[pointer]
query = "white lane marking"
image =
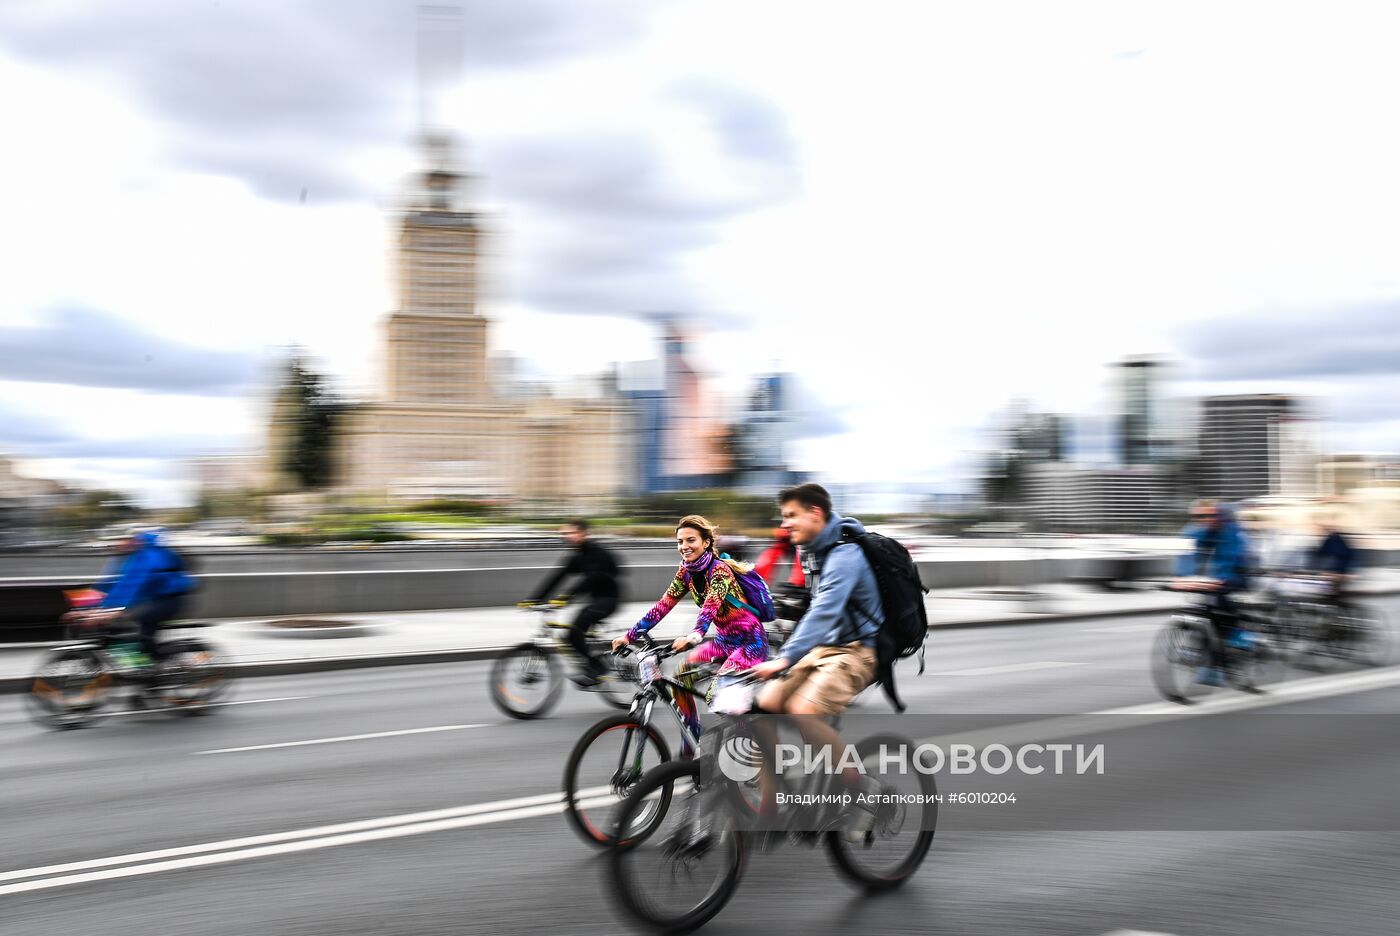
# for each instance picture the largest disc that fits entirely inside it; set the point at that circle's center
(1008, 668)
(405, 819)
(1115, 720)
(358, 737)
(156, 711)
(287, 848)
(290, 698)
(1297, 690)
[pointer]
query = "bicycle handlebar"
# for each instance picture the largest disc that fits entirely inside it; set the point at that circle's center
(645, 644)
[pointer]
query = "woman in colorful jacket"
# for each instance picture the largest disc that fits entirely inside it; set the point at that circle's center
(740, 640)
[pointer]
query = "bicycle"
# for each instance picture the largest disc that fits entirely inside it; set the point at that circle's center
(1315, 630)
(639, 739)
(526, 679)
(650, 865)
(76, 681)
(1188, 646)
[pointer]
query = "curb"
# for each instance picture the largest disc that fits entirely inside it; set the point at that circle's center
(16, 684)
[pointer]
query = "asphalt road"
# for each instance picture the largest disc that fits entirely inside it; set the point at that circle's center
(84, 811)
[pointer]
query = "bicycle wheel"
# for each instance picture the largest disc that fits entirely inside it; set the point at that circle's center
(1178, 654)
(71, 686)
(1363, 637)
(192, 676)
(1286, 626)
(902, 833)
(525, 681)
(619, 683)
(683, 873)
(1260, 666)
(607, 762)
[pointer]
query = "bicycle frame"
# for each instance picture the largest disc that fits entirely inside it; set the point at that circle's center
(664, 689)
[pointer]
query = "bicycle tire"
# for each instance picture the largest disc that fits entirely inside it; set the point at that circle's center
(1169, 665)
(1371, 637)
(60, 703)
(633, 853)
(620, 687)
(194, 687)
(590, 831)
(522, 655)
(843, 853)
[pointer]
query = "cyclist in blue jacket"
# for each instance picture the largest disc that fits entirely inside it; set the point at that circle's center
(1221, 555)
(149, 586)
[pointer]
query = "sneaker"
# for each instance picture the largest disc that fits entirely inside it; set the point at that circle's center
(584, 680)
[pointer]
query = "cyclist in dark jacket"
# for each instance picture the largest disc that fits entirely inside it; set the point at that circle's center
(599, 571)
(1334, 558)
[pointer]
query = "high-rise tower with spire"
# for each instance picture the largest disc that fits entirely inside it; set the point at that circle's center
(436, 338)
(439, 428)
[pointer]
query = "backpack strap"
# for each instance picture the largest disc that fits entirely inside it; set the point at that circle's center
(729, 598)
(725, 557)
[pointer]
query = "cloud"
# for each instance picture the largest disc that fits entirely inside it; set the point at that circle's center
(87, 348)
(1343, 342)
(275, 92)
(292, 97)
(749, 127)
(29, 437)
(608, 217)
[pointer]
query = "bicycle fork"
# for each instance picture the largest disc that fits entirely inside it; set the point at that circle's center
(627, 774)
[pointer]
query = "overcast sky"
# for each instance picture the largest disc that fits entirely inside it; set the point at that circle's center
(922, 210)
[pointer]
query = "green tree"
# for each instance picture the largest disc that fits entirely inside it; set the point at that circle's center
(307, 418)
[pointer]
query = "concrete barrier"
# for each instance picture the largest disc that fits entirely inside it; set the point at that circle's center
(29, 610)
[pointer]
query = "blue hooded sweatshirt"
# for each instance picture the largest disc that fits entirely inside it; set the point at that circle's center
(149, 572)
(1220, 552)
(845, 598)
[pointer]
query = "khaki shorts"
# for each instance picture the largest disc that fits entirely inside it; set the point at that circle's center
(829, 677)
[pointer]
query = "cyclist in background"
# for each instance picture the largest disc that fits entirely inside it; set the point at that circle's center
(790, 598)
(1333, 558)
(599, 571)
(1221, 555)
(781, 551)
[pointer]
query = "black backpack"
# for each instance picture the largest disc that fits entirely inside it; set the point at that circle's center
(902, 593)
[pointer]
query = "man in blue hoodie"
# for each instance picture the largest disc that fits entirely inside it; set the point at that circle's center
(149, 587)
(1221, 555)
(830, 657)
